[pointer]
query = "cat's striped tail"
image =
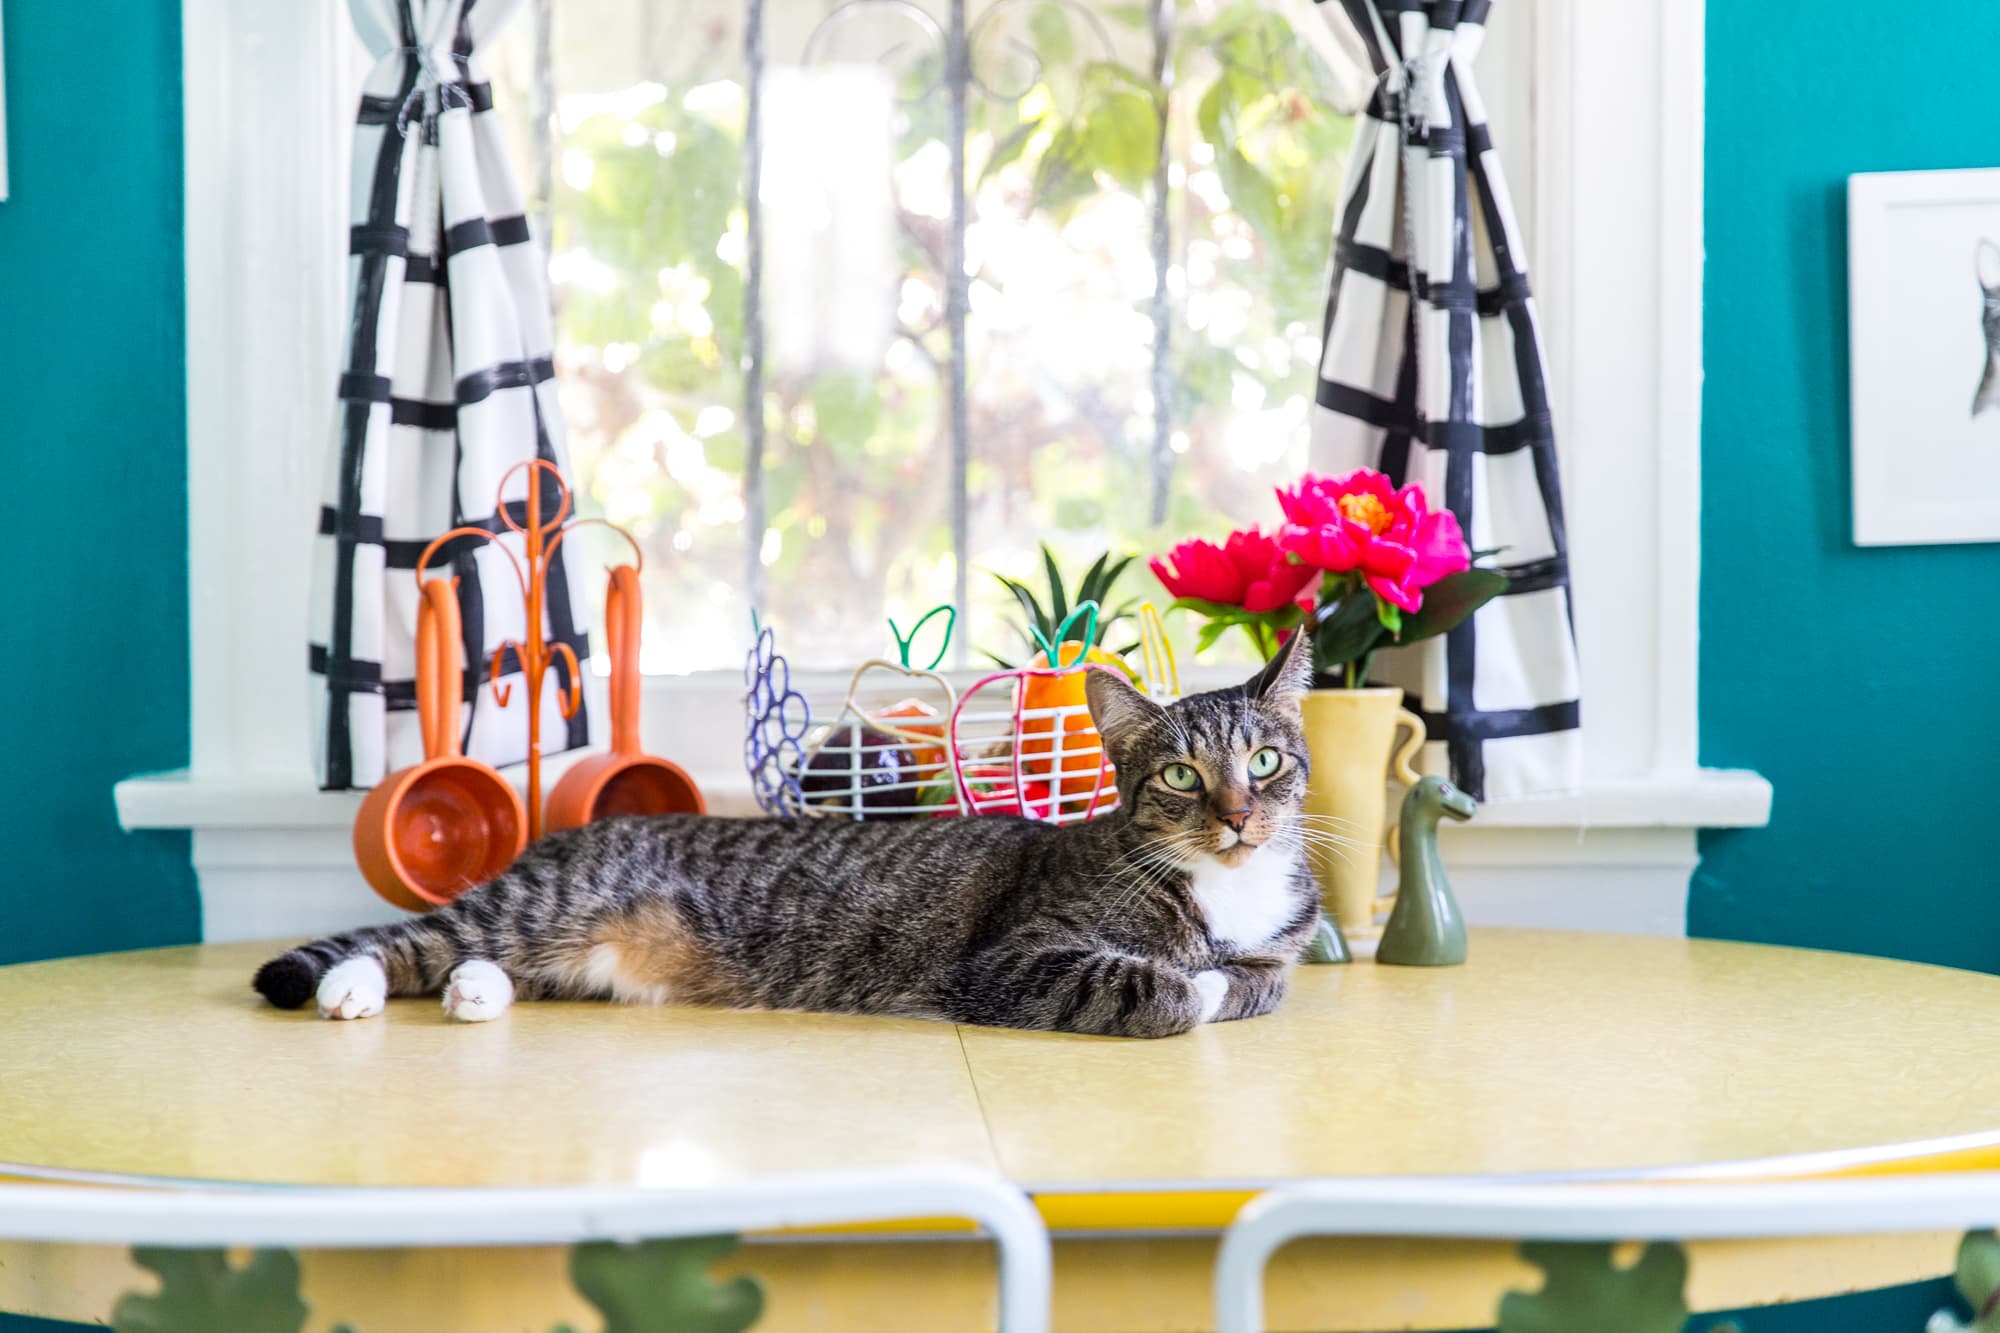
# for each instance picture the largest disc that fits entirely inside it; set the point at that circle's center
(416, 956)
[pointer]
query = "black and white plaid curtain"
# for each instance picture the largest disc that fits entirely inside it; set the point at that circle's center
(448, 383)
(1448, 391)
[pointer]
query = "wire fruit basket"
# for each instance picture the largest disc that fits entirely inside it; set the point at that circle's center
(903, 742)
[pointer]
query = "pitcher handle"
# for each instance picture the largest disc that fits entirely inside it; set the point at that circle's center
(1403, 764)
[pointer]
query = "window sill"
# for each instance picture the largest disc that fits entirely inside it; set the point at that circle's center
(274, 857)
(1705, 798)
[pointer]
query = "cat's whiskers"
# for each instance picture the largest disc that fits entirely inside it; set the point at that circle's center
(1307, 839)
(1150, 848)
(1147, 862)
(1306, 816)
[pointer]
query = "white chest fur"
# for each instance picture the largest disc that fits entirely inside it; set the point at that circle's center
(1246, 905)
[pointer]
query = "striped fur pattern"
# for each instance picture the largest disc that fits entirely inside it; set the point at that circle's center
(1189, 904)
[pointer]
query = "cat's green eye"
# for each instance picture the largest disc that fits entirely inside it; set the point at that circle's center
(1180, 777)
(1265, 762)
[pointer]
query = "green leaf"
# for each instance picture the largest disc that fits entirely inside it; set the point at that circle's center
(1054, 42)
(1219, 114)
(1585, 1292)
(1062, 176)
(1123, 613)
(1009, 148)
(1058, 598)
(1131, 16)
(662, 1286)
(1348, 629)
(1099, 589)
(200, 1293)
(1116, 130)
(1449, 601)
(1124, 128)
(1032, 609)
(1087, 591)
(1202, 607)
(1389, 614)
(1210, 633)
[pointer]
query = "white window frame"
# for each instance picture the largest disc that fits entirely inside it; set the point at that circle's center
(1618, 90)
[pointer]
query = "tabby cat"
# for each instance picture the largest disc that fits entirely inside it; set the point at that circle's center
(1189, 904)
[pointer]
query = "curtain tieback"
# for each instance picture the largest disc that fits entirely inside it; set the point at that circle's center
(441, 78)
(1403, 92)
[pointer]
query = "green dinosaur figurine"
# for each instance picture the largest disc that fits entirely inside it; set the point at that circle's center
(1978, 1282)
(1425, 929)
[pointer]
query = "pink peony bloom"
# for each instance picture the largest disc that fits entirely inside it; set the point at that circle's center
(1250, 570)
(1359, 523)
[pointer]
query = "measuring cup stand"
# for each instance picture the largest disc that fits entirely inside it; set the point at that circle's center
(427, 833)
(627, 781)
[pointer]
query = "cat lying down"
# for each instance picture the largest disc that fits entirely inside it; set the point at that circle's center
(1190, 904)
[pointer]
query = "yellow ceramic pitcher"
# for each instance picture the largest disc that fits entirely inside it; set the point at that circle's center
(1352, 737)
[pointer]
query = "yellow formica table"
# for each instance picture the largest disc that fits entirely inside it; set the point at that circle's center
(1549, 1056)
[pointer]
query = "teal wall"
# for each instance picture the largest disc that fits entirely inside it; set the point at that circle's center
(1803, 673)
(93, 435)
(1861, 682)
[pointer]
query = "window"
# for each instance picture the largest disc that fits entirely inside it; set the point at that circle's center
(1597, 107)
(913, 437)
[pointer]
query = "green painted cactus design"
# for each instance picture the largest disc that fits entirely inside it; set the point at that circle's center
(1978, 1281)
(662, 1286)
(200, 1293)
(1586, 1292)
(658, 1286)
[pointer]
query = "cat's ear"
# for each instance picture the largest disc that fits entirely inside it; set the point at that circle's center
(1286, 677)
(1117, 709)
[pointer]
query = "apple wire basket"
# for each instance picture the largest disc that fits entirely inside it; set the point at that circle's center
(902, 742)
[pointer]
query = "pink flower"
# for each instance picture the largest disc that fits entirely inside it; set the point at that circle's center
(1249, 570)
(1360, 523)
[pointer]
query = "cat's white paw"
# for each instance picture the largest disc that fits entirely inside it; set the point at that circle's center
(1213, 988)
(356, 988)
(478, 991)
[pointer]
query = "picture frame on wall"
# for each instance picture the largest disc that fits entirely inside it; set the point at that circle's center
(1923, 254)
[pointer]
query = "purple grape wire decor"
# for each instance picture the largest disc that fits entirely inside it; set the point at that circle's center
(777, 719)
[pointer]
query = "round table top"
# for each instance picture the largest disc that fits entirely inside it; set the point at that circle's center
(1550, 1054)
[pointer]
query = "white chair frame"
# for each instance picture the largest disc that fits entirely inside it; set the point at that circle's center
(1664, 1211)
(217, 1216)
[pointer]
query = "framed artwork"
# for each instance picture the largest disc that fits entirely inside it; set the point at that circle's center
(1923, 256)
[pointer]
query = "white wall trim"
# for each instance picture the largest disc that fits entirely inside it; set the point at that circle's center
(1677, 578)
(1615, 201)
(267, 114)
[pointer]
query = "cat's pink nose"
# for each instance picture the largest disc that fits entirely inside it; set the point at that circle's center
(1236, 819)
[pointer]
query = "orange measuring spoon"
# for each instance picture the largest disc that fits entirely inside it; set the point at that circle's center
(427, 833)
(626, 781)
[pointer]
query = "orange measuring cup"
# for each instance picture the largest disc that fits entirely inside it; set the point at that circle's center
(427, 833)
(626, 781)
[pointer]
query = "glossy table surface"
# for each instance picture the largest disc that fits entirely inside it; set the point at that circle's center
(1549, 1054)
